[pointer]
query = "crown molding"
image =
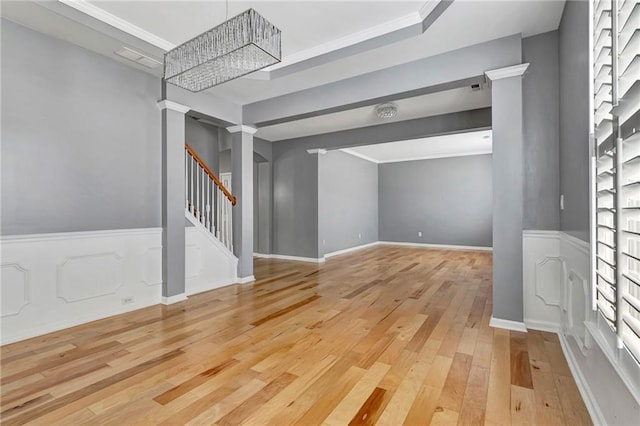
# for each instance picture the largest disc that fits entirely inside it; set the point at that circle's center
(506, 72)
(438, 156)
(119, 23)
(174, 106)
(357, 154)
(319, 151)
(242, 128)
(351, 41)
(427, 8)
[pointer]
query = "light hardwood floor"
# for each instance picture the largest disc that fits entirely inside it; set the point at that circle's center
(386, 335)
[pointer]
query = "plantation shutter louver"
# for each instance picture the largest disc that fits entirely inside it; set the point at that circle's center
(616, 80)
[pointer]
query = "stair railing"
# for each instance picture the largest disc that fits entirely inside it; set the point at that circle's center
(207, 199)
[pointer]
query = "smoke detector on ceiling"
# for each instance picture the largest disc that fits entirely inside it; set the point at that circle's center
(138, 58)
(387, 111)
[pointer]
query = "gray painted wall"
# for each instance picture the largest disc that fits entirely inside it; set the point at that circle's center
(295, 201)
(450, 69)
(447, 199)
(70, 119)
(574, 118)
(207, 104)
(203, 138)
(295, 172)
(541, 132)
(263, 206)
(390, 132)
(347, 202)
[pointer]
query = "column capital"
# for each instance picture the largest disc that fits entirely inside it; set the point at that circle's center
(242, 128)
(174, 106)
(506, 72)
(317, 151)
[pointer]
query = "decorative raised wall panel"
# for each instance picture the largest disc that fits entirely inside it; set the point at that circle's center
(15, 289)
(88, 276)
(577, 307)
(193, 261)
(549, 271)
(543, 279)
(152, 266)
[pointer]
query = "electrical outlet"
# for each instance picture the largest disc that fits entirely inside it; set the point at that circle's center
(324, 242)
(359, 236)
(419, 233)
(561, 201)
(127, 300)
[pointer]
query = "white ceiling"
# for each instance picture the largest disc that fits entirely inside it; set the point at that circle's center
(464, 23)
(444, 102)
(319, 21)
(309, 30)
(308, 27)
(457, 145)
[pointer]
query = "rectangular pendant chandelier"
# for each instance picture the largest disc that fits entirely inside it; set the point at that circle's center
(239, 46)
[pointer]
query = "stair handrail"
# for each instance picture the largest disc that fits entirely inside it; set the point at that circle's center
(213, 177)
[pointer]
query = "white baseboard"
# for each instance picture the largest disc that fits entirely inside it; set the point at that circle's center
(294, 258)
(583, 386)
(507, 324)
(350, 249)
(208, 287)
(173, 299)
(375, 243)
(245, 280)
(436, 246)
(51, 327)
(548, 326)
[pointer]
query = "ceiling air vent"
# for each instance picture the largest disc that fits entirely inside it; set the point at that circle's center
(138, 58)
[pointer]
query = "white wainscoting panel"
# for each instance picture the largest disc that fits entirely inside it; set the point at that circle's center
(543, 280)
(208, 263)
(576, 308)
(54, 281)
(15, 289)
(90, 275)
(610, 377)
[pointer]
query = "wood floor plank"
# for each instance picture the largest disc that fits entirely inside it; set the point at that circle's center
(351, 403)
(499, 397)
(387, 335)
(475, 397)
(523, 406)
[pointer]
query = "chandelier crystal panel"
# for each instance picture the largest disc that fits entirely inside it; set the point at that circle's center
(239, 46)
